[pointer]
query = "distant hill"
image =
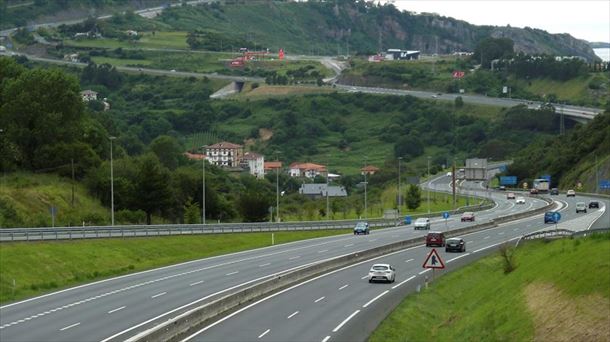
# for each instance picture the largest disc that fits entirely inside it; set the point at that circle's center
(338, 27)
(347, 27)
(599, 45)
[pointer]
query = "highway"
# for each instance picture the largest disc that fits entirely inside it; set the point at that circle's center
(577, 112)
(343, 306)
(118, 308)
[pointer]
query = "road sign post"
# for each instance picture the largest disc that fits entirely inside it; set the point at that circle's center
(446, 216)
(556, 218)
(433, 261)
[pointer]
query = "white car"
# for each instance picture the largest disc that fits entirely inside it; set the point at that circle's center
(581, 207)
(383, 272)
(422, 223)
(520, 200)
(571, 193)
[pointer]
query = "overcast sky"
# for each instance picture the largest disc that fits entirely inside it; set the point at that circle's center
(588, 19)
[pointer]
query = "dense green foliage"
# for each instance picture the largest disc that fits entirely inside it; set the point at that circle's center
(490, 48)
(562, 156)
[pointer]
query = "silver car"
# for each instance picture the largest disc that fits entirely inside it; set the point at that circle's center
(422, 223)
(382, 272)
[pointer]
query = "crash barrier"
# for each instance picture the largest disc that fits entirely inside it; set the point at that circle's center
(561, 233)
(124, 231)
(189, 322)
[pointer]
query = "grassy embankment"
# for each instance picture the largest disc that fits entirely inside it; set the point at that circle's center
(560, 291)
(40, 267)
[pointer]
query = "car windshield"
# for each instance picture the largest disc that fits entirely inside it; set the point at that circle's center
(380, 268)
(421, 220)
(453, 241)
(360, 225)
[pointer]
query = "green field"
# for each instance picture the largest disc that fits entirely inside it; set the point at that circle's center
(161, 40)
(40, 267)
(560, 291)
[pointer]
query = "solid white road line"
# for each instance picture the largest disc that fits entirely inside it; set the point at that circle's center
(319, 299)
(292, 315)
(326, 339)
(158, 295)
(345, 321)
(117, 309)
(232, 273)
(196, 283)
(69, 326)
(402, 282)
(457, 257)
(374, 299)
(265, 333)
(263, 265)
(344, 286)
(409, 260)
(424, 271)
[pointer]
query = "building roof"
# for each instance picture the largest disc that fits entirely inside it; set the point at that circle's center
(369, 168)
(252, 155)
(308, 166)
(320, 189)
(225, 144)
(271, 165)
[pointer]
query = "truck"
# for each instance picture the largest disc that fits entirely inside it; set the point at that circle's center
(476, 169)
(542, 185)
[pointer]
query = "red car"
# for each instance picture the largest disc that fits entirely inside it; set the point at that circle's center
(534, 191)
(436, 239)
(468, 216)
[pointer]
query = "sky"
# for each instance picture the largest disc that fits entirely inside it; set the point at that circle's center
(587, 19)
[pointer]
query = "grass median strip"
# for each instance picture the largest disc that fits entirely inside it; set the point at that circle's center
(33, 268)
(558, 291)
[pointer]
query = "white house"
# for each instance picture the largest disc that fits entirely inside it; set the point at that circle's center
(309, 170)
(225, 154)
(88, 95)
(255, 163)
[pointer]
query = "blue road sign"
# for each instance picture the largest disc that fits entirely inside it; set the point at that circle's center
(604, 184)
(445, 215)
(508, 180)
(502, 168)
(407, 219)
(547, 177)
(556, 216)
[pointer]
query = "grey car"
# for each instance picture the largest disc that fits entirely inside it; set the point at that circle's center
(455, 244)
(361, 228)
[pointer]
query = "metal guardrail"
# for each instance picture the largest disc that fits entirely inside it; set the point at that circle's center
(561, 233)
(123, 231)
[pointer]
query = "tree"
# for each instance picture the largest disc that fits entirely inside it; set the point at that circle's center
(490, 48)
(191, 212)
(153, 186)
(167, 150)
(253, 207)
(408, 145)
(413, 199)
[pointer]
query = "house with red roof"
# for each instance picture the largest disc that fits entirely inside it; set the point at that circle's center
(309, 170)
(225, 154)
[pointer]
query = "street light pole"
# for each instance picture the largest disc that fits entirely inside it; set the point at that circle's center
(428, 187)
(111, 183)
(277, 189)
(366, 211)
(399, 189)
(203, 185)
(327, 199)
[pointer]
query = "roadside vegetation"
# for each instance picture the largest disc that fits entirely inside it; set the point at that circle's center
(40, 267)
(547, 297)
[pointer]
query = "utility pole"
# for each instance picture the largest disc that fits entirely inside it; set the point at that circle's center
(327, 198)
(203, 157)
(428, 187)
(111, 184)
(277, 189)
(72, 164)
(596, 176)
(454, 183)
(366, 214)
(399, 189)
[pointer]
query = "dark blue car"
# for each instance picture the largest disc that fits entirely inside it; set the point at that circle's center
(549, 217)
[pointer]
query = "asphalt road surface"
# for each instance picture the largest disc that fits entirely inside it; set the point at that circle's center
(118, 308)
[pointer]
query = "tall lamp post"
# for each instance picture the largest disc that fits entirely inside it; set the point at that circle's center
(399, 189)
(277, 189)
(327, 199)
(366, 211)
(203, 157)
(428, 184)
(111, 184)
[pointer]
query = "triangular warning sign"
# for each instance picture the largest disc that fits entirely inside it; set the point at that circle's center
(433, 260)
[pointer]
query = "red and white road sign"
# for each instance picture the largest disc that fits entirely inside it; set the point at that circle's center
(433, 260)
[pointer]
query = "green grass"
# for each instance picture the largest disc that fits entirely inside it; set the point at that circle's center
(161, 40)
(121, 62)
(40, 267)
(575, 90)
(28, 198)
(481, 303)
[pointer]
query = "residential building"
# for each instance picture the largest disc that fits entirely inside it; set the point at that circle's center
(194, 156)
(398, 54)
(319, 190)
(369, 170)
(225, 154)
(255, 163)
(272, 166)
(309, 170)
(88, 95)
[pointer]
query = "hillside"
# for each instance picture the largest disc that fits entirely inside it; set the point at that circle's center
(341, 27)
(569, 159)
(547, 297)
